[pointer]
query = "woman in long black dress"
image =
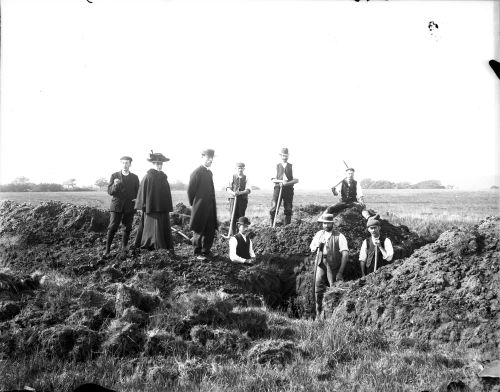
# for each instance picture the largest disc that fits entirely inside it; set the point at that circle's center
(155, 201)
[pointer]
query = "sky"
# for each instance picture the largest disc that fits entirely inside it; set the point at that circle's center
(368, 83)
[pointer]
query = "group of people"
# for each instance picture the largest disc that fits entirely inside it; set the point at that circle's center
(152, 198)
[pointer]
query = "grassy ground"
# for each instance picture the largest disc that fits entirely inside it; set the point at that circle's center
(427, 212)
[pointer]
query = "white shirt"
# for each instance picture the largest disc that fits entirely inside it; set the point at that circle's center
(359, 191)
(285, 178)
(323, 236)
(387, 246)
(233, 243)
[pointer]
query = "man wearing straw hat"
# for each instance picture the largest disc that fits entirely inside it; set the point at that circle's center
(240, 245)
(331, 258)
(155, 201)
(283, 188)
(123, 186)
(238, 189)
(376, 250)
(201, 195)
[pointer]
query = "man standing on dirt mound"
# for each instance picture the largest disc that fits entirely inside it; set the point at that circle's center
(238, 189)
(201, 195)
(123, 186)
(283, 188)
(351, 195)
(332, 254)
(376, 250)
(154, 199)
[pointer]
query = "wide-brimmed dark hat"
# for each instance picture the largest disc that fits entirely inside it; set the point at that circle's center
(243, 221)
(157, 157)
(240, 164)
(126, 158)
(208, 152)
(372, 222)
(326, 218)
(284, 151)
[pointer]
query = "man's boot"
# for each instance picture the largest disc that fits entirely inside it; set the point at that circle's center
(125, 239)
(109, 241)
(288, 219)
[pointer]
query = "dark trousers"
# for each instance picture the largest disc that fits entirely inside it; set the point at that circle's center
(341, 205)
(204, 240)
(241, 208)
(120, 217)
(325, 275)
(286, 199)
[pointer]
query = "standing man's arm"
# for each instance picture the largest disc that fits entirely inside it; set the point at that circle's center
(344, 250)
(362, 258)
(114, 185)
(247, 189)
(387, 250)
(192, 187)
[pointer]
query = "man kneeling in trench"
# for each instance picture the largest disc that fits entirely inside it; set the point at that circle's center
(332, 256)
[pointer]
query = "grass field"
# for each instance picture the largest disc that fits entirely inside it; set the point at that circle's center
(427, 212)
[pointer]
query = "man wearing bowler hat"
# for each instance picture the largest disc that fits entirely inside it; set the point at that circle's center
(351, 195)
(123, 187)
(284, 179)
(201, 196)
(375, 247)
(240, 245)
(239, 188)
(332, 248)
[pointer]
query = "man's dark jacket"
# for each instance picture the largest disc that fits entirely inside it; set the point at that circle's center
(201, 195)
(123, 193)
(154, 193)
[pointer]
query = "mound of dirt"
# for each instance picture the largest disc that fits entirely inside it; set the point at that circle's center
(448, 291)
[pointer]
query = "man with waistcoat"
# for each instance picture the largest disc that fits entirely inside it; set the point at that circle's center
(239, 188)
(201, 196)
(331, 247)
(283, 181)
(123, 186)
(375, 246)
(240, 245)
(351, 194)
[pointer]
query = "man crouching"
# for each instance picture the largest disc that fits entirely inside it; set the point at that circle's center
(332, 255)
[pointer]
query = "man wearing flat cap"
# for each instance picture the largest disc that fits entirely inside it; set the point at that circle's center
(376, 250)
(240, 245)
(331, 247)
(283, 184)
(201, 196)
(155, 201)
(351, 193)
(123, 186)
(238, 189)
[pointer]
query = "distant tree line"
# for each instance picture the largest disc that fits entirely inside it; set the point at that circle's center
(23, 184)
(368, 183)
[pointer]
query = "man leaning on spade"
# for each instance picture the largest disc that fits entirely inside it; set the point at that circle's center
(123, 186)
(239, 188)
(240, 245)
(283, 188)
(332, 255)
(376, 250)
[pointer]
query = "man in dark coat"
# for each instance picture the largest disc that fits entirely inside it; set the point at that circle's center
(123, 186)
(201, 195)
(155, 201)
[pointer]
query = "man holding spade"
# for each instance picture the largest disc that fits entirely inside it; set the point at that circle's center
(376, 250)
(283, 189)
(332, 254)
(238, 189)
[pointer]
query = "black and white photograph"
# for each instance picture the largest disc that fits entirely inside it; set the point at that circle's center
(250, 195)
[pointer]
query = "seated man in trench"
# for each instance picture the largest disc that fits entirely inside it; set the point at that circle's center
(332, 254)
(376, 250)
(240, 245)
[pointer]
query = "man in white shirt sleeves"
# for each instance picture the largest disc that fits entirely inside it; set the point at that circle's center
(334, 257)
(240, 246)
(374, 243)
